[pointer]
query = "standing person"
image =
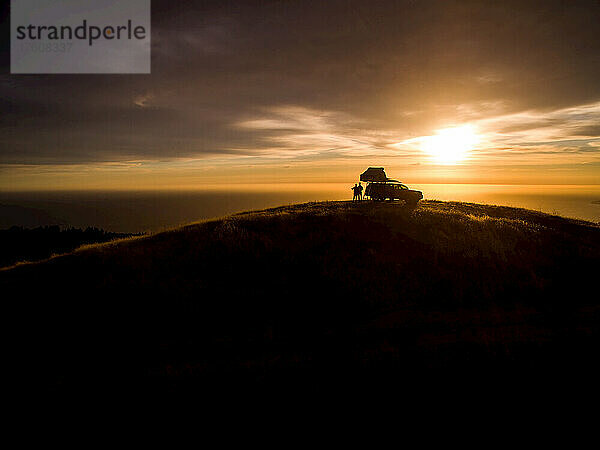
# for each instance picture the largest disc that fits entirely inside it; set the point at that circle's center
(355, 192)
(360, 191)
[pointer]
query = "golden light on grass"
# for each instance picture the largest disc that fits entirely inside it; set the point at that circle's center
(450, 145)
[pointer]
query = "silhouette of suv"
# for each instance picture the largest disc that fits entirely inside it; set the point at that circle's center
(380, 187)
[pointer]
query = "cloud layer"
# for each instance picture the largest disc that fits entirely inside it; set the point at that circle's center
(336, 79)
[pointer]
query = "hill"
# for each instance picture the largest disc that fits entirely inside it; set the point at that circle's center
(313, 295)
(23, 244)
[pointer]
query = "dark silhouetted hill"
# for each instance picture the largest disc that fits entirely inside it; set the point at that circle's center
(24, 244)
(314, 296)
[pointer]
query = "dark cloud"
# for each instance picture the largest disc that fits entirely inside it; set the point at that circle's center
(402, 65)
(527, 125)
(590, 131)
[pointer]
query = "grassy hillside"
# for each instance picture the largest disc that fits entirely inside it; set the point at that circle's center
(314, 295)
(23, 244)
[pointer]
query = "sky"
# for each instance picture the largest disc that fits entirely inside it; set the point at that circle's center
(245, 92)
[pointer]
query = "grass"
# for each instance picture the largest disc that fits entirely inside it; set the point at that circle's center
(21, 245)
(313, 294)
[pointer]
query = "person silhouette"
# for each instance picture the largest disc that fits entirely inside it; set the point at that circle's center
(360, 191)
(355, 191)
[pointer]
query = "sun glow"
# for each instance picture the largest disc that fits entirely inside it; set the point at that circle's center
(450, 145)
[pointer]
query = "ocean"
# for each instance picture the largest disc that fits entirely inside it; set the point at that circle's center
(158, 210)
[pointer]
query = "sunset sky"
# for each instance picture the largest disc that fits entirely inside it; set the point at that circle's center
(317, 91)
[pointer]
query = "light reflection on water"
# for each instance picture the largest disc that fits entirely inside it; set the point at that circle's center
(152, 211)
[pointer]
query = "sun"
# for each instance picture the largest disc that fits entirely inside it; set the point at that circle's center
(450, 145)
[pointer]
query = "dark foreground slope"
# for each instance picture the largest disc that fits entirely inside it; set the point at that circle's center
(22, 244)
(314, 295)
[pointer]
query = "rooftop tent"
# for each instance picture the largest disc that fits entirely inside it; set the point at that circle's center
(376, 174)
